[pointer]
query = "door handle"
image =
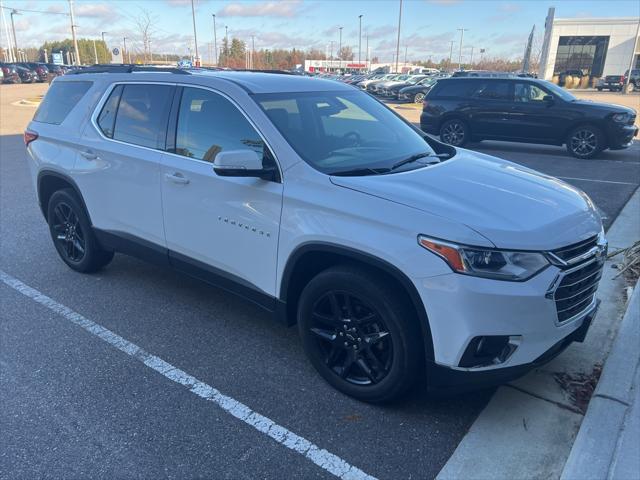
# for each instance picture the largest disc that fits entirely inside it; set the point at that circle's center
(177, 178)
(89, 155)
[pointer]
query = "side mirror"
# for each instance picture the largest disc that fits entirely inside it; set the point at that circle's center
(241, 163)
(548, 98)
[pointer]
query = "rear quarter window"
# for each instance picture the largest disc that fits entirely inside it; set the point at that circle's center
(60, 100)
(456, 88)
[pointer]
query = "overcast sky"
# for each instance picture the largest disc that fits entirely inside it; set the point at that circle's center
(428, 26)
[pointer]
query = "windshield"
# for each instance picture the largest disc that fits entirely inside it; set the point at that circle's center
(560, 92)
(341, 131)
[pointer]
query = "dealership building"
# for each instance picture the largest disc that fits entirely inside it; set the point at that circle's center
(595, 46)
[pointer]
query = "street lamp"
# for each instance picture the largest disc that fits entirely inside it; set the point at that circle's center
(102, 33)
(215, 40)
(13, 27)
(461, 30)
(340, 49)
(359, 37)
(398, 41)
(195, 35)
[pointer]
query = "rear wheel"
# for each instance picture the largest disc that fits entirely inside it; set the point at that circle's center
(585, 141)
(454, 132)
(72, 234)
(359, 334)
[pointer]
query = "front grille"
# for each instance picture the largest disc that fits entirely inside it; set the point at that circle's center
(577, 289)
(566, 254)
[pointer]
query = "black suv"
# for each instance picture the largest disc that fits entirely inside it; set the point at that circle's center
(524, 110)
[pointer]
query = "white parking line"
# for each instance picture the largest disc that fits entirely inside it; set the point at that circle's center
(321, 457)
(598, 181)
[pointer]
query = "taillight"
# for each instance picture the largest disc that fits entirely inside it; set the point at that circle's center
(29, 136)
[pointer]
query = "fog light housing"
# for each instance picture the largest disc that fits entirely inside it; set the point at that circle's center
(489, 350)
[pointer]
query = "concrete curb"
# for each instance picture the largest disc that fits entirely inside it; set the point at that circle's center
(594, 449)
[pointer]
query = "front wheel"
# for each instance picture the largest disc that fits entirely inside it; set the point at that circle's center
(72, 234)
(454, 132)
(360, 334)
(418, 98)
(585, 142)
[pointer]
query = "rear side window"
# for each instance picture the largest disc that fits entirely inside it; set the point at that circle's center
(60, 100)
(459, 88)
(107, 117)
(494, 91)
(142, 114)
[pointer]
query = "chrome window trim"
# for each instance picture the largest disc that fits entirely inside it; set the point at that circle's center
(112, 86)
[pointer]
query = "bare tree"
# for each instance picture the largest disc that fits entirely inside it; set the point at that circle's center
(145, 24)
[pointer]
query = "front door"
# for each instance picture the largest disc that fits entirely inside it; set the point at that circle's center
(534, 118)
(223, 228)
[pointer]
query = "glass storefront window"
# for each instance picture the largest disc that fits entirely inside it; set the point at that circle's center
(584, 54)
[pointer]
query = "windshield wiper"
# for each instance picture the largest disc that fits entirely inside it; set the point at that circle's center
(356, 172)
(418, 156)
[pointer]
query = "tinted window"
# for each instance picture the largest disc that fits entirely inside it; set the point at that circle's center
(107, 117)
(493, 91)
(209, 124)
(142, 115)
(60, 100)
(459, 88)
(527, 92)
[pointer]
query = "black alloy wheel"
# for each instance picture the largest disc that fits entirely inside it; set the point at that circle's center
(585, 142)
(352, 338)
(73, 235)
(454, 132)
(68, 233)
(360, 333)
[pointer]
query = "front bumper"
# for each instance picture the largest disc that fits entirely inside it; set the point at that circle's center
(444, 380)
(621, 136)
(461, 308)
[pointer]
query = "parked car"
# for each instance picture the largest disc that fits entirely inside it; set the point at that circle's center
(10, 73)
(613, 83)
(378, 87)
(634, 81)
(373, 78)
(524, 110)
(394, 253)
(392, 90)
(55, 70)
(42, 72)
(373, 86)
(26, 74)
(416, 93)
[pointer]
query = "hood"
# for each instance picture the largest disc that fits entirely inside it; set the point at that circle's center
(609, 107)
(512, 206)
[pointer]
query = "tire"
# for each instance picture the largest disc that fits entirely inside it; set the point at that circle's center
(455, 132)
(72, 233)
(418, 97)
(360, 334)
(599, 89)
(585, 142)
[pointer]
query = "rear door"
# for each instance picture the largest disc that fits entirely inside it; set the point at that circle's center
(118, 168)
(492, 102)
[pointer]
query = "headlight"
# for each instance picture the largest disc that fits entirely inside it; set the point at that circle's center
(486, 262)
(621, 117)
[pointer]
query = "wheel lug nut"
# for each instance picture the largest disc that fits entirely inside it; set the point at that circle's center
(341, 334)
(359, 339)
(346, 344)
(355, 347)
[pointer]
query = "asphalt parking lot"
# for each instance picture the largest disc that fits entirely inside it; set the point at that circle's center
(75, 405)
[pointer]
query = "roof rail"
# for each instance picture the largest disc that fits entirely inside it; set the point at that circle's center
(126, 68)
(281, 72)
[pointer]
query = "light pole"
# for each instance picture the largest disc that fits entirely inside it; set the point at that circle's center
(253, 49)
(633, 57)
(195, 35)
(451, 52)
(340, 49)
(471, 60)
(226, 47)
(406, 47)
(215, 41)
(359, 37)
(124, 49)
(461, 30)
(398, 41)
(13, 28)
(73, 34)
(102, 33)
(95, 51)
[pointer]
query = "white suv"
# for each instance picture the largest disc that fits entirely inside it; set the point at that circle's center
(397, 256)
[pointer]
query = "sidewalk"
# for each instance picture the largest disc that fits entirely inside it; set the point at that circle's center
(608, 443)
